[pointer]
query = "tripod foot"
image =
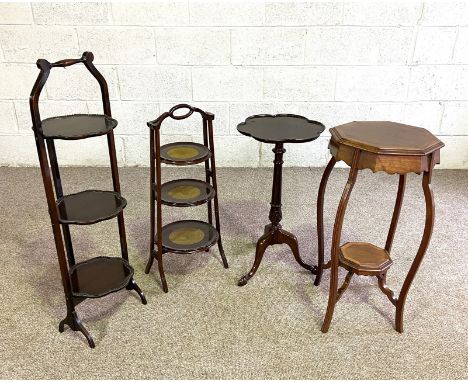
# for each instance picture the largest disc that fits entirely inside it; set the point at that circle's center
(134, 286)
(74, 322)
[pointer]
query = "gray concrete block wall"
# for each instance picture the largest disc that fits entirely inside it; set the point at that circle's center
(330, 61)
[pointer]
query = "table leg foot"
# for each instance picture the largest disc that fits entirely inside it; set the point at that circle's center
(74, 322)
(262, 245)
(285, 237)
(134, 286)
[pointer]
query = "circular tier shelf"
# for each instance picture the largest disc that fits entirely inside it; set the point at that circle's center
(186, 192)
(184, 153)
(364, 258)
(100, 276)
(89, 207)
(186, 236)
(77, 126)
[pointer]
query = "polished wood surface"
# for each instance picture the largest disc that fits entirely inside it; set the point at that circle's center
(384, 137)
(278, 129)
(364, 258)
(77, 126)
(90, 278)
(183, 236)
(281, 128)
(379, 146)
(90, 207)
(385, 146)
(99, 276)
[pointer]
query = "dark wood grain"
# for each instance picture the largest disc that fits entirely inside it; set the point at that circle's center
(182, 154)
(279, 129)
(87, 207)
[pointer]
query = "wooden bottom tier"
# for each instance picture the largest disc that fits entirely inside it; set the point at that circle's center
(100, 276)
(364, 258)
(186, 236)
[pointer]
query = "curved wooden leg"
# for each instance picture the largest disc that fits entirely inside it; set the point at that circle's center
(320, 234)
(396, 212)
(262, 244)
(211, 170)
(430, 213)
(332, 297)
(159, 254)
(132, 285)
(218, 228)
(74, 322)
(382, 280)
(345, 285)
(152, 233)
(285, 237)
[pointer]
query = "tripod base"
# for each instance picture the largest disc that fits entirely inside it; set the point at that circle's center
(274, 234)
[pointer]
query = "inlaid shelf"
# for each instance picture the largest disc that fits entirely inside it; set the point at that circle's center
(90, 207)
(98, 276)
(184, 236)
(77, 126)
(184, 153)
(364, 258)
(186, 192)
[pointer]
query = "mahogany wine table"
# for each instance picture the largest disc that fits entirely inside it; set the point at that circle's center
(278, 129)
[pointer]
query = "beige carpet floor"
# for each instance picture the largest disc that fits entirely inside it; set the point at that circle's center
(206, 326)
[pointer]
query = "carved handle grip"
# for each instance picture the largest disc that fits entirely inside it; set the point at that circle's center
(183, 116)
(66, 62)
(86, 56)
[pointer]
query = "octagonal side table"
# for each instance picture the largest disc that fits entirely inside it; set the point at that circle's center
(379, 146)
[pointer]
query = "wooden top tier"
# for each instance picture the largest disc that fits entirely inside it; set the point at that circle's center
(386, 146)
(384, 137)
(281, 128)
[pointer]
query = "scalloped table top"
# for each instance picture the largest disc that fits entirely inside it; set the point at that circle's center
(281, 128)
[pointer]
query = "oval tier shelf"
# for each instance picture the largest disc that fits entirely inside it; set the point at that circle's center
(186, 236)
(89, 207)
(184, 153)
(77, 126)
(100, 276)
(185, 192)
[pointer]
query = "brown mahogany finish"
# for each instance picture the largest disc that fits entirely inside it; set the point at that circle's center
(98, 276)
(185, 236)
(77, 126)
(278, 129)
(90, 207)
(379, 146)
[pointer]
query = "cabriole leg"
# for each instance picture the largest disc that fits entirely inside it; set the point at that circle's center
(332, 298)
(430, 213)
(320, 233)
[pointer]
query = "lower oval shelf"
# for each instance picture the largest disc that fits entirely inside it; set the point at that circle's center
(186, 236)
(100, 276)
